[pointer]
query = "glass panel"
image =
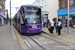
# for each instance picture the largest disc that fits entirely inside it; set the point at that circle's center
(32, 16)
(0, 21)
(71, 2)
(63, 4)
(22, 22)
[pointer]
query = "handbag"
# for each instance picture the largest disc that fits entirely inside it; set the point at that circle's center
(61, 27)
(50, 30)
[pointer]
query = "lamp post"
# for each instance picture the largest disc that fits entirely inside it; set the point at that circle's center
(10, 12)
(68, 19)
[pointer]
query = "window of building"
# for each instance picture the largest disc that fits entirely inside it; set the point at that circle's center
(45, 0)
(42, 1)
(63, 5)
(71, 2)
(59, 0)
(38, 3)
(45, 7)
(42, 8)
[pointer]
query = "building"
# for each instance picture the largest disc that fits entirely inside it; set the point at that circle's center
(64, 3)
(49, 7)
(6, 14)
(2, 12)
(63, 11)
(2, 5)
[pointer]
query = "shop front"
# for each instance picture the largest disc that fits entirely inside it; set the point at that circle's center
(63, 14)
(1, 18)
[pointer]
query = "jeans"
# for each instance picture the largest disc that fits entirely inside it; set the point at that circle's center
(56, 28)
(52, 28)
(59, 30)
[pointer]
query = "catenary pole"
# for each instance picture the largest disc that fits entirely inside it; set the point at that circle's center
(68, 19)
(10, 12)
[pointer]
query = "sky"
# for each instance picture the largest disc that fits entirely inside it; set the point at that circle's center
(16, 3)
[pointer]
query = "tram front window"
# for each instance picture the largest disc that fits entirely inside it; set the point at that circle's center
(32, 17)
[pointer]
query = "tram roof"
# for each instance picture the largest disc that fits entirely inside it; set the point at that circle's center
(30, 6)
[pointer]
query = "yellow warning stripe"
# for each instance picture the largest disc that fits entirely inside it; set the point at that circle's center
(18, 36)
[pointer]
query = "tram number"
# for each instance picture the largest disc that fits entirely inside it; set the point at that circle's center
(34, 26)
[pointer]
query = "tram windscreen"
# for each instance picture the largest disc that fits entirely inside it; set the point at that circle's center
(32, 15)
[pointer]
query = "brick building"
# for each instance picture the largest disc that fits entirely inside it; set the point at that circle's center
(64, 3)
(2, 5)
(63, 11)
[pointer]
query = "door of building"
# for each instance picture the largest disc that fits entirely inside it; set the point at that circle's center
(0, 21)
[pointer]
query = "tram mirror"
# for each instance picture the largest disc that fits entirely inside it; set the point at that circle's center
(38, 12)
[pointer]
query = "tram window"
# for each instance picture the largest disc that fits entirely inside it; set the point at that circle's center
(22, 22)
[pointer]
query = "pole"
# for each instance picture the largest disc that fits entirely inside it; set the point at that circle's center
(68, 19)
(10, 12)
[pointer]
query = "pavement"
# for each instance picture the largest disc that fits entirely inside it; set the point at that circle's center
(6, 39)
(64, 36)
(9, 40)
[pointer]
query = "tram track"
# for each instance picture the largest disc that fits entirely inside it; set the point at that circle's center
(36, 43)
(58, 40)
(50, 38)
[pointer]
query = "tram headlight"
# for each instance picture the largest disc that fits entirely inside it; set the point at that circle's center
(38, 26)
(40, 30)
(27, 31)
(29, 26)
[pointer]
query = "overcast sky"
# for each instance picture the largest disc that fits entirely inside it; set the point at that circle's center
(16, 3)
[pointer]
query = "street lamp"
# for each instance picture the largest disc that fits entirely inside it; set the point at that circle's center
(10, 12)
(68, 19)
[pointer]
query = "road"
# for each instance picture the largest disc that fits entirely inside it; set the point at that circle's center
(39, 42)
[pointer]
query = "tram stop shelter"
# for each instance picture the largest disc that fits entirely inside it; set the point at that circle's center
(45, 18)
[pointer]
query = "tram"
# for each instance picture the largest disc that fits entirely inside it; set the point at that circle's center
(28, 19)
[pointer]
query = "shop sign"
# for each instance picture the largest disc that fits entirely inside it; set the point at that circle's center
(71, 9)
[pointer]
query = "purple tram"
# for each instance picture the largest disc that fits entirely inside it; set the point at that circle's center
(28, 19)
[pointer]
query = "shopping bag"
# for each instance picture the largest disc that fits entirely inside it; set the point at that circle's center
(50, 30)
(61, 27)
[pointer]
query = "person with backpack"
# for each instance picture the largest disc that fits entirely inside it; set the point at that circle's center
(59, 27)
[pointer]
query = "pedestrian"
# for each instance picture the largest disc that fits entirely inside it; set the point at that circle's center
(55, 24)
(48, 22)
(52, 25)
(45, 21)
(59, 27)
(6, 22)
